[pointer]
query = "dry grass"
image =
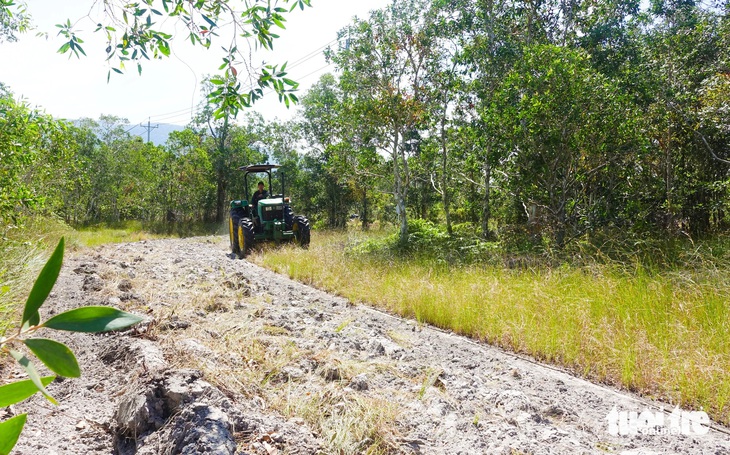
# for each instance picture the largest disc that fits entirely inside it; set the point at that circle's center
(23, 252)
(663, 334)
(239, 349)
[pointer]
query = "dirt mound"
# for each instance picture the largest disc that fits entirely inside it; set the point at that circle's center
(233, 358)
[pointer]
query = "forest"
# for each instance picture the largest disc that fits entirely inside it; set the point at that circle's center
(532, 123)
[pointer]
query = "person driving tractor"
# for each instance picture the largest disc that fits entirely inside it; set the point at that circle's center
(261, 193)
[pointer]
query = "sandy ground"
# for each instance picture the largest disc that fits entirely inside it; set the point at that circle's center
(290, 369)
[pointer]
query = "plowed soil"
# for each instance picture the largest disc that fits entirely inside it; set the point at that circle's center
(281, 367)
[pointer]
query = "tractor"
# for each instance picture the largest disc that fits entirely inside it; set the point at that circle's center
(269, 219)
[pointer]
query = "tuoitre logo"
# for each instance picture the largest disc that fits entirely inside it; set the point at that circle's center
(647, 422)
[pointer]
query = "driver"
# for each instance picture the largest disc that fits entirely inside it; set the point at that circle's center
(261, 193)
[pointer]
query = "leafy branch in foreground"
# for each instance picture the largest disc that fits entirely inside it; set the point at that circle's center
(56, 356)
(135, 31)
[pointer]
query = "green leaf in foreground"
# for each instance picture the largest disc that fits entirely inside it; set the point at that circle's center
(32, 374)
(43, 284)
(56, 356)
(10, 431)
(15, 392)
(92, 319)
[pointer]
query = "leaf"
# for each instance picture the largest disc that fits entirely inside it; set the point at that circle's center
(278, 22)
(56, 356)
(44, 283)
(92, 319)
(32, 374)
(10, 432)
(209, 21)
(15, 392)
(164, 48)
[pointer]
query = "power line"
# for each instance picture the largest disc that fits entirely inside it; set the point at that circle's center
(189, 113)
(187, 109)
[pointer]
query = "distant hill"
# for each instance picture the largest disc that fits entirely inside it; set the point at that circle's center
(158, 136)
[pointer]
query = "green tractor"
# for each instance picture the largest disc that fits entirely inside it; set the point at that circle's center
(269, 218)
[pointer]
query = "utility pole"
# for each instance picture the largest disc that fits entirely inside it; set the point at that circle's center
(149, 128)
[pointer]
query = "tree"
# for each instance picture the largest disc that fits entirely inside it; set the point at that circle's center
(323, 125)
(570, 136)
(187, 185)
(22, 143)
(683, 57)
(382, 68)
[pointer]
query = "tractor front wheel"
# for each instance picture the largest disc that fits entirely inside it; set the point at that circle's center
(300, 226)
(245, 237)
(233, 234)
(233, 220)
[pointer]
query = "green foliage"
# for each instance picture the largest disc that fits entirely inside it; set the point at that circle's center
(431, 243)
(541, 126)
(14, 19)
(91, 319)
(10, 431)
(567, 133)
(54, 355)
(43, 285)
(134, 32)
(15, 392)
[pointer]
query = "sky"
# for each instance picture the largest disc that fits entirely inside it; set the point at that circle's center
(168, 90)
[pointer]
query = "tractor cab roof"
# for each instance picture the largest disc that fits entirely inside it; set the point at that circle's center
(259, 168)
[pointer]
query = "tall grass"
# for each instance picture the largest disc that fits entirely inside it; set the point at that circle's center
(23, 251)
(661, 333)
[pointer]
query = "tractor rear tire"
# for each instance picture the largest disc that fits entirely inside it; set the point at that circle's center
(245, 237)
(233, 221)
(300, 226)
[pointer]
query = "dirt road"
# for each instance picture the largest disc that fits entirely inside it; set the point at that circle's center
(236, 359)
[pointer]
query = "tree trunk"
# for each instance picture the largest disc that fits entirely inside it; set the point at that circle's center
(222, 184)
(486, 203)
(445, 194)
(364, 209)
(399, 191)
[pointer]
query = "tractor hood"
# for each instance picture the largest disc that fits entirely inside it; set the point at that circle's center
(271, 202)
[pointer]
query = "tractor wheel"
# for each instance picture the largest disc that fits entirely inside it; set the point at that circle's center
(300, 226)
(288, 217)
(233, 234)
(233, 220)
(245, 237)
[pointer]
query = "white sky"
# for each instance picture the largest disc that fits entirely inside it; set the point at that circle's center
(168, 89)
